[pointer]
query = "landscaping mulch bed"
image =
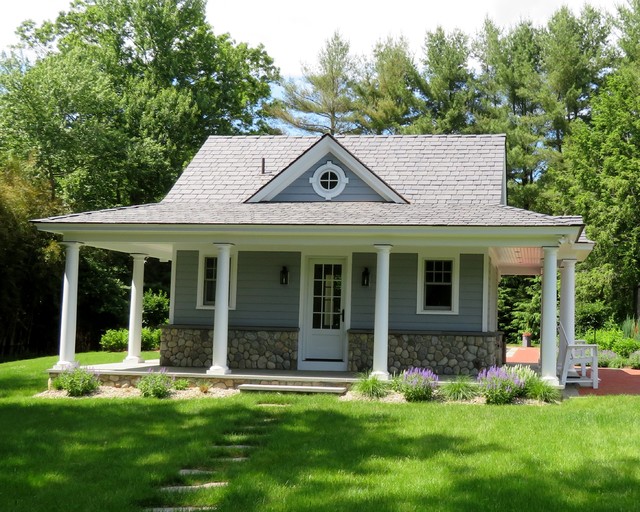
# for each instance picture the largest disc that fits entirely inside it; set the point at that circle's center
(131, 392)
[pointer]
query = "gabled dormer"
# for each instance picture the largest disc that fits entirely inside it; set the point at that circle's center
(326, 172)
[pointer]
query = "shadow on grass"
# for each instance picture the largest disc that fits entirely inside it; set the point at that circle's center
(93, 454)
(325, 460)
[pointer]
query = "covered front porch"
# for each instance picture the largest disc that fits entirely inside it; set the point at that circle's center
(220, 349)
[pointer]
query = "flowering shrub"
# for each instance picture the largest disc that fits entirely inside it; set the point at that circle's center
(156, 384)
(498, 386)
(605, 357)
(77, 382)
(418, 384)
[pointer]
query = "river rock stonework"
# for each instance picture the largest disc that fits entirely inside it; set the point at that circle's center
(267, 349)
(445, 354)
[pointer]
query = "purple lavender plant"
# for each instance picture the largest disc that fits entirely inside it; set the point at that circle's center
(418, 384)
(498, 386)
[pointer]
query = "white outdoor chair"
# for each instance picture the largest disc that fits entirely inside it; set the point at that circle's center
(578, 352)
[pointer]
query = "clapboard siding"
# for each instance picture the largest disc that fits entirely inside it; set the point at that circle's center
(301, 190)
(261, 301)
(363, 298)
(403, 295)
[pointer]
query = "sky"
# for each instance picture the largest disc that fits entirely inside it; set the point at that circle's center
(293, 31)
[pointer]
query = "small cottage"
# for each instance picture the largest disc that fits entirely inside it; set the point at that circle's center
(348, 253)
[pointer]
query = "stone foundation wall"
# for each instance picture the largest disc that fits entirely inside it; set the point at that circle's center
(445, 354)
(268, 349)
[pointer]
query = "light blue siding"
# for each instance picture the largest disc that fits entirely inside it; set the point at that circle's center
(363, 298)
(301, 190)
(403, 296)
(261, 301)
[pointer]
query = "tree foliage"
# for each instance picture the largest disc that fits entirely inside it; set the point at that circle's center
(323, 101)
(118, 99)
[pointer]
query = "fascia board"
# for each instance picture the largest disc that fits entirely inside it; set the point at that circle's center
(304, 235)
(518, 233)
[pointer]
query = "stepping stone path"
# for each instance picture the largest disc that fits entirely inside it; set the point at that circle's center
(187, 488)
(254, 430)
(180, 509)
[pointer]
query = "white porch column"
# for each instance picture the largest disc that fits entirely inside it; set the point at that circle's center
(381, 324)
(549, 316)
(567, 304)
(135, 310)
(221, 317)
(69, 311)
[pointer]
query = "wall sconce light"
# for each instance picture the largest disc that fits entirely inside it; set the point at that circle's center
(284, 276)
(366, 278)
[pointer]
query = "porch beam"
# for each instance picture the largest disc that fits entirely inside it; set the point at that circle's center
(69, 311)
(221, 317)
(135, 310)
(381, 323)
(549, 316)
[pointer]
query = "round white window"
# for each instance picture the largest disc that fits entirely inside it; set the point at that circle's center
(329, 180)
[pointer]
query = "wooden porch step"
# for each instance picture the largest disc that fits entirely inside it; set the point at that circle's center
(282, 388)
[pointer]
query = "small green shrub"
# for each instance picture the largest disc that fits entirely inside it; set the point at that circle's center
(605, 357)
(618, 362)
(499, 387)
(634, 360)
(462, 388)
(537, 389)
(604, 338)
(624, 348)
(418, 384)
(115, 340)
(156, 385)
(525, 374)
(181, 384)
(371, 386)
(78, 382)
(150, 338)
(155, 308)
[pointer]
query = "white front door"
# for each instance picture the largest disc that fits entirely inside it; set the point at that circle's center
(324, 330)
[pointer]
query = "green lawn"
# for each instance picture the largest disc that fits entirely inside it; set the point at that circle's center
(319, 455)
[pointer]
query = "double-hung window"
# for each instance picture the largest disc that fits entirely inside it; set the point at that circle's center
(438, 285)
(207, 281)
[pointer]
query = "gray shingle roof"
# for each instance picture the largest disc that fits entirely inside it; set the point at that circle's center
(448, 180)
(421, 168)
(319, 213)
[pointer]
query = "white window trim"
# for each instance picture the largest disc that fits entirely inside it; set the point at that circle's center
(455, 286)
(233, 281)
(338, 189)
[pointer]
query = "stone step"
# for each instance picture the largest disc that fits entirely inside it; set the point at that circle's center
(233, 446)
(180, 509)
(283, 388)
(187, 472)
(197, 487)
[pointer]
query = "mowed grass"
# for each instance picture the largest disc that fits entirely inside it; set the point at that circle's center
(319, 454)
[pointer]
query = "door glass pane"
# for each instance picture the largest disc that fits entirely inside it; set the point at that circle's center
(327, 296)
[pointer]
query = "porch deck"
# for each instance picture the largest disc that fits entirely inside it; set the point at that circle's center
(127, 374)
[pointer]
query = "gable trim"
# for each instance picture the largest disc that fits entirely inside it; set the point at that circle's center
(326, 144)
